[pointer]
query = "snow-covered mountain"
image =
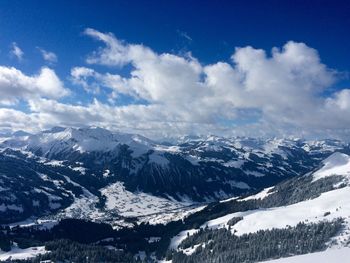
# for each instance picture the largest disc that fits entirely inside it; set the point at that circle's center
(80, 172)
(319, 197)
(190, 201)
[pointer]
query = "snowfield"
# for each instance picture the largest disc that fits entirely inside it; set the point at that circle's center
(336, 164)
(123, 203)
(328, 206)
(336, 202)
(328, 256)
(176, 240)
(20, 254)
(131, 204)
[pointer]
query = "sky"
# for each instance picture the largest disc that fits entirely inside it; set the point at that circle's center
(172, 68)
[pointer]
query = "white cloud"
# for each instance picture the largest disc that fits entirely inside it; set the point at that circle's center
(15, 85)
(256, 93)
(115, 52)
(285, 88)
(48, 55)
(16, 51)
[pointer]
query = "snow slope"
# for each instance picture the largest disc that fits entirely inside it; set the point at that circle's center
(20, 254)
(336, 202)
(328, 256)
(91, 139)
(336, 164)
(329, 205)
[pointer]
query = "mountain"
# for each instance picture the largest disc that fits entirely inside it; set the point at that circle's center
(84, 172)
(77, 188)
(273, 219)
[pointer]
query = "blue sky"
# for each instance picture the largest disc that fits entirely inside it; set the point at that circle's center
(204, 32)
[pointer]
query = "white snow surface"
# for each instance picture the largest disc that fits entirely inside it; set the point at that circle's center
(261, 195)
(336, 164)
(328, 206)
(176, 240)
(20, 254)
(131, 204)
(337, 202)
(58, 140)
(328, 256)
(120, 202)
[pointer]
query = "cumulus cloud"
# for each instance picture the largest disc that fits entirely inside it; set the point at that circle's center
(113, 54)
(283, 88)
(281, 92)
(16, 51)
(48, 55)
(17, 120)
(15, 85)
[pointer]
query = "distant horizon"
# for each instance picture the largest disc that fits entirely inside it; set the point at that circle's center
(174, 139)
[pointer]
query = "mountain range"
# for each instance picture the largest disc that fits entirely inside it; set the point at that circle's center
(207, 183)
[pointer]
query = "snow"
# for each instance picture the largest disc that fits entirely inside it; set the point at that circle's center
(229, 199)
(235, 164)
(20, 254)
(54, 206)
(336, 164)
(337, 202)
(273, 147)
(130, 204)
(81, 170)
(91, 139)
(13, 207)
(328, 256)
(82, 140)
(141, 255)
(240, 185)
(189, 251)
(120, 202)
(254, 173)
(176, 240)
(153, 239)
(164, 148)
(261, 195)
(54, 163)
(173, 215)
(83, 207)
(106, 173)
(33, 222)
(158, 159)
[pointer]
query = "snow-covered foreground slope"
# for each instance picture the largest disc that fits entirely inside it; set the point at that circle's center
(21, 254)
(336, 164)
(328, 256)
(336, 202)
(327, 206)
